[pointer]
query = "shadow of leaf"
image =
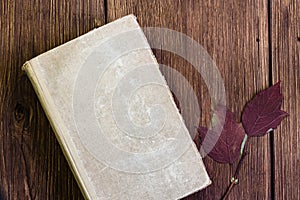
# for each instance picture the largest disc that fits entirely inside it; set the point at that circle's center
(2, 194)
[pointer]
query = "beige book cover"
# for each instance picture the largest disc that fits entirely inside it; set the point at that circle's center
(115, 118)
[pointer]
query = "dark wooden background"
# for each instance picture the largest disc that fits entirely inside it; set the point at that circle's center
(254, 43)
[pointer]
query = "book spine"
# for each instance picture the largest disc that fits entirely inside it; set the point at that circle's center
(28, 68)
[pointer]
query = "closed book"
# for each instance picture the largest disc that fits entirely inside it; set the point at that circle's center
(114, 116)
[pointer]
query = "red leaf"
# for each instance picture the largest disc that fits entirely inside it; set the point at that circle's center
(263, 112)
(227, 147)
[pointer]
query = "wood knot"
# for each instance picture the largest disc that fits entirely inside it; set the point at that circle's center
(257, 40)
(298, 38)
(22, 114)
(19, 112)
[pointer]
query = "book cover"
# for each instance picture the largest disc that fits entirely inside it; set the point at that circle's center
(114, 116)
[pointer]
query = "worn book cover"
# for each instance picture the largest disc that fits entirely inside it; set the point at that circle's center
(115, 118)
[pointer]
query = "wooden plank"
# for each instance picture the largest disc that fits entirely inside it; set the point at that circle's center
(32, 165)
(235, 33)
(285, 29)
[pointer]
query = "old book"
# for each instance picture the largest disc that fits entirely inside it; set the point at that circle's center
(114, 116)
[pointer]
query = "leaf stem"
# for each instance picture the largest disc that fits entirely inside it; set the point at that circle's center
(234, 180)
(244, 144)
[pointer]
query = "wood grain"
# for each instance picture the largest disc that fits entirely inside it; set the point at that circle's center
(235, 34)
(285, 29)
(32, 165)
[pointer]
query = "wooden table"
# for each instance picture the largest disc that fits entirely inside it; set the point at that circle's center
(254, 43)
